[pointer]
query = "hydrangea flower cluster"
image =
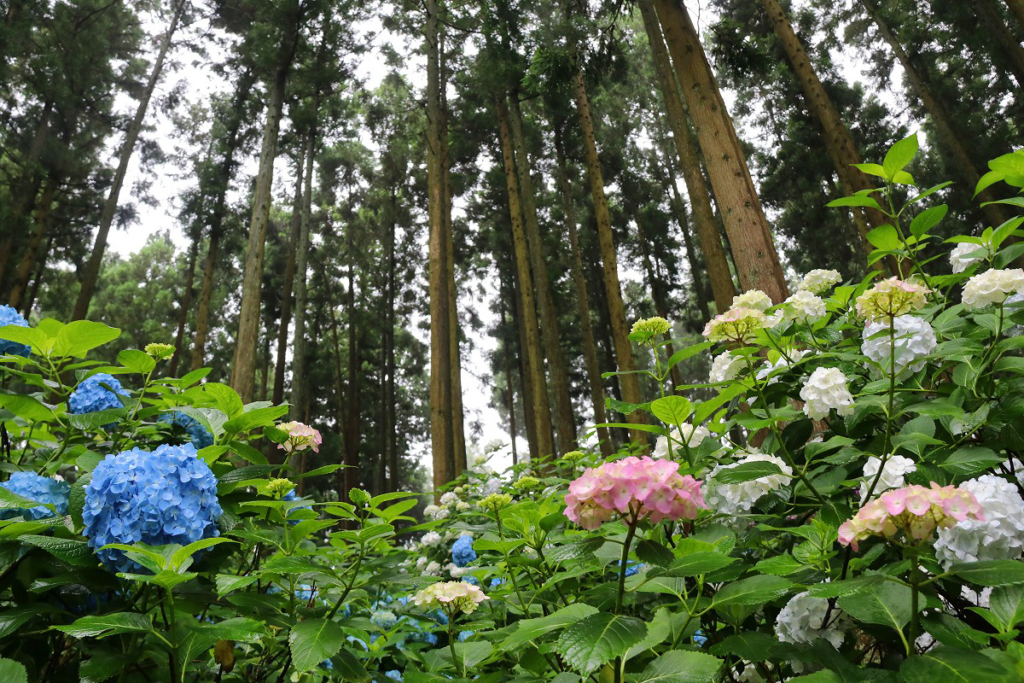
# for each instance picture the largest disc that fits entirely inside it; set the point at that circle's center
(804, 307)
(40, 489)
(726, 367)
(160, 351)
(685, 434)
(199, 435)
(802, 620)
(496, 501)
(384, 619)
(1000, 536)
(431, 538)
(644, 486)
(770, 370)
(736, 325)
(914, 510)
(462, 551)
(893, 472)
(99, 392)
(300, 438)
(819, 281)
(450, 596)
(160, 497)
(734, 499)
(965, 255)
(992, 287)
(891, 298)
(824, 391)
(645, 330)
(9, 316)
(913, 339)
(752, 298)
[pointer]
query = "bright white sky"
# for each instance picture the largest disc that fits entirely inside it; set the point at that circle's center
(198, 81)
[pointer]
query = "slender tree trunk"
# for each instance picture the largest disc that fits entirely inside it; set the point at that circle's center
(582, 298)
(289, 282)
(525, 379)
(23, 274)
(558, 373)
(265, 369)
(92, 266)
(353, 428)
(657, 293)
(38, 278)
(534, 359)
(186, 303)
(629, 384)
(691, 252)
(708, 237)
(944, 124)
(299, 395)
(1017, 9)
(995, 25)
(390, 430)
(757, 261)
(441, 436)
(510, 398)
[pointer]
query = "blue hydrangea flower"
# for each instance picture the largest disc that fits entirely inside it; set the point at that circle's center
(465, 635)
(384, 619)
(40, 489)
(200, 435)
(167, 496)
(9, 316)
(633, 568)
(394, 675)
(471, 579)
(462, 551)
(496, 582)
(327, 664)
(291, 498)
(91, 394)
(700, 638)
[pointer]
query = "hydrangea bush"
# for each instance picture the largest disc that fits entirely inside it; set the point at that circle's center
(842, 500)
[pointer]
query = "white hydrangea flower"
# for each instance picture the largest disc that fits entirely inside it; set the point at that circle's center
(804, 307)
(801, 621)
(449, 498)
(819, 280)
(769, 369)
(421, 562)
(960, 258)
(442, 513)
(734, 499)
(432, 569)
(826, 390)
(915, 339)
(462, 506)
(750, 674)
(687, 433)
(431, 538)
(999, 537)
(725, 367)
(982, 598)
(430, 510)
(896, 468)
(455, 570)
(752, 298)
(992, 287)
(1017, 298)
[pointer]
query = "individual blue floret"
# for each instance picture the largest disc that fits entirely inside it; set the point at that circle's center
(40, 489)
(200, 435)
(465, 635)
(99, 392)
(699, 638)
(9, 316)
(462, 551)
(495, 582)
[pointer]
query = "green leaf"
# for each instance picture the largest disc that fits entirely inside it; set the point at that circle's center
(871, 169)
(655, 553)
(682, 666)
(1007, 603)
(227, 399)
(672, 410)
(314, 640)
(531, 629)
(179, 556)
(752, 646)
(593, 641)
(137, 361)
(76, 499)
(747, 471)
(856, 200)
(885, 237)
(954, 665)
(12, 501)
(991, 572)
(688, 352)
(26, 407)
(102, 666)
(12, 671)
(928, 219)
(704, 409)
(899, 155)
(888, 605)
(755, 590)
(81, 336)
(107, 625)
(76, 553)
(29, 336)
(228, 583)
(838, 589)
(696, 564)
(251, 419)
(350, 668)
(471, 655)
(969, 461)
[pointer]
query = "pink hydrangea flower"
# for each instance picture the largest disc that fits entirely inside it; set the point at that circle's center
(643, 487)
(300, 438)
(914, 510)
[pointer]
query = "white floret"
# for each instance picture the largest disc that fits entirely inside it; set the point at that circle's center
(999, 536)
(913, 339)
(824, 391)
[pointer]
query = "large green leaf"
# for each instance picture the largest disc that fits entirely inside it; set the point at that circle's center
(470, 654)
(137, 361)
(695, 564)
(672, 410)
(102, 666)
(889, 604)
(754, 590)
(591, 642)
(747, 471)
(77, 553)
(314, 640)
(81, 336)
(12, 671)
(251, 419)
(681, 666)
(1007, 603)
(12, 501)
(899, 155)
(990, 573)
(970, 461)
(107, 625)
(26, 407)
(531, 629)
(954, 665)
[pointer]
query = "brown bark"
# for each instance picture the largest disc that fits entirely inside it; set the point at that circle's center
(510, 398)
(949, 137)
(525, 381)
(582, 299)
(565, 426)
(299, 395)
(654, 284)
(186, 304)
(390, 426)
(708, 237)
(23, 274)
(628, 384)
(757, 261)
(289, 282)
(354, 424)
(92, 266)
(994, 23)
(533, 358)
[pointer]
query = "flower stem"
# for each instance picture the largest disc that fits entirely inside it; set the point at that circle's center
(451, 646)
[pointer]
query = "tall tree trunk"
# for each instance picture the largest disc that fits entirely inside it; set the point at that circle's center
(252, 277)
(525, 379)
(186, 303)
(995, 25)
(510, 398)
(558, 373)
(654, 283)
(390, 429)
(23, 274)
(582, 298)
(441, 437)
(38, 278)
(944, 124)
(533, 358)
(757, 261)
(708, 237)
(629, 384)
(92, 266)
(233, 125)
(265, 369)
(1017, 9)
(838, 141)
(289, 282)
(352, 429)
(299, 395)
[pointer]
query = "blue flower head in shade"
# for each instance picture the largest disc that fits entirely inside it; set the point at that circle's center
(384, 619)
(699, 638)
(394, 675)
(462, 551)
(99, 392)
(200, 435)
(40, 489)
(158, 498)
(9, 316)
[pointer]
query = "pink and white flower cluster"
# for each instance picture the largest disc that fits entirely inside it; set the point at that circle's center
(891, 298)
(644, 487)
(914, 510)
(300, 438)
(451, 596)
